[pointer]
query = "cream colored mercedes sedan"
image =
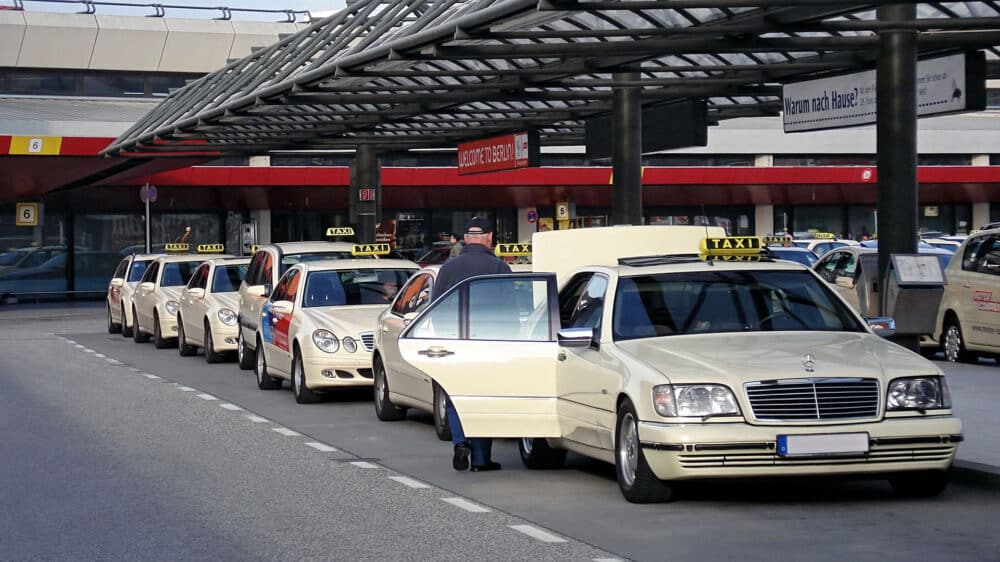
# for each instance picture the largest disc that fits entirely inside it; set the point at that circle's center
(208, 309)
(689, 365)
(157, 298)
(120, 290)
(317, 328)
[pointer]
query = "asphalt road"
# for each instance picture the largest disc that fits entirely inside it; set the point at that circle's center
(108, 454)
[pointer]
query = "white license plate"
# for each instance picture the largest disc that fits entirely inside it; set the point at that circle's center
(822, 444)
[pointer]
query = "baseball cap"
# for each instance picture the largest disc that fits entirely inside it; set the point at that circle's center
(479, 224)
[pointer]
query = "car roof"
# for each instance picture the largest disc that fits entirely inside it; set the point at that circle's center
(188, 257)
(229, 261)
(144, 257)
(330, 265)
(685, 264)
(310, 246)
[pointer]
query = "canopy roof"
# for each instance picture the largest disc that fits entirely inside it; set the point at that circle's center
(430, 73)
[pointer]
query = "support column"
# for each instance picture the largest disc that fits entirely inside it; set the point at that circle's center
(626, 126)
(366, 173)
(763, 221)
(896, 138)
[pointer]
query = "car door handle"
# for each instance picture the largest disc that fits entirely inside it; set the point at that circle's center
(436, 352)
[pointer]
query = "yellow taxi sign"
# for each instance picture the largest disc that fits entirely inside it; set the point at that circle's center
(370, 249)
(211, 248)
(824, 236)
(339, 231)
(254, 248)
(731, 246)
(732, 257)
(177, 247)
(777, 240)
(513, 250)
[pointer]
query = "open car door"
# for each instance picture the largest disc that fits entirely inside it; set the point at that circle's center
(490, 343)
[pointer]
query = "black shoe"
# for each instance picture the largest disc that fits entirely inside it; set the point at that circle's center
(486, 467)
(461, 459)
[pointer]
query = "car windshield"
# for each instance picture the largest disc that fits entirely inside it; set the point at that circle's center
(288, 260)
(12, 257)
(178, 273)
(805, 258)
(227, 278)
(354, 286)
(670, 304)
(436, 255)
(138, 268)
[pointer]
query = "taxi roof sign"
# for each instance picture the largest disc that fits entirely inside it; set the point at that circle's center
(778, 240)
(823, 235)
(339, 231)
(731, 246)
(211, 248)
(513, 250)
(370, 249)
(177, 247)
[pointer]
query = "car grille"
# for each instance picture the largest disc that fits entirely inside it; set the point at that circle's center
(813, 399)
(368, 340)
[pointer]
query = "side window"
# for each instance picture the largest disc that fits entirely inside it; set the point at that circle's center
(151, 273)
(120, 272)
(973, 251)
(491, 316)
(253, 271)
(442, 322)
(590, 307)
(283, 289)
(267, 269)
(990, 250)
(847, 266)
(200, 278)
(828, 265)
(294, 282)
(413, 296)
(570, 296)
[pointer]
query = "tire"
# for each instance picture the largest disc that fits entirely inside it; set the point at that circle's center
(245, 356)
(920, 484)
(384, 408)
(441, 426)
(537, 454)
(299, 388)
(112, 327)
(126, 329)
(182, 346)
(158, 340)
(953, 342)
(138, 336)
(211, 355)
(637, 482)
(264, 381)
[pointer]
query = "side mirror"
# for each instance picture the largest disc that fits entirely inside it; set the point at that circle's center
(408, 317)
(257, 290)
(148, 286)
(117, 282)
(281, 306)
(882, 326)
(268, 289)
(196, 293)
(845, 282)
(576, 337)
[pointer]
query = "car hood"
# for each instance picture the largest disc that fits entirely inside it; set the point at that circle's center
(345, 320)
(740, 358)
(228, 300)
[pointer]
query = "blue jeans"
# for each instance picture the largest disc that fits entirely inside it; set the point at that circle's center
(482, 448)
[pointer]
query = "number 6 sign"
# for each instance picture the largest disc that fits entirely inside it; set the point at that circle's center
(26, 214)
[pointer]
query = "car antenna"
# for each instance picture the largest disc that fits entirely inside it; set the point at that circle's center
(704, 214)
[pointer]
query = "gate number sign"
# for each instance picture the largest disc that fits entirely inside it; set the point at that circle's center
(26, 214)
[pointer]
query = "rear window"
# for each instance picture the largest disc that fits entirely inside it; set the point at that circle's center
(227, 278)
(138, 268)
(176, 274)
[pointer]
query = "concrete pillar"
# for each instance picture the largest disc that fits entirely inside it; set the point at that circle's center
(980, 159)
(980, 214)
(763, 160)
(366, 173)
(260, 161)
(626, 126)
(764, 220)
(262, 218)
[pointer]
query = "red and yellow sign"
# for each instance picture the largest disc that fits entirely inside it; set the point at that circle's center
(494, 154)
(35, 145)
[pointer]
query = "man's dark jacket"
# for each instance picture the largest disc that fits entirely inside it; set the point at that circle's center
(474, 260)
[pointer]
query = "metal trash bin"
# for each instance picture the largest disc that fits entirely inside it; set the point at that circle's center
(915, 288)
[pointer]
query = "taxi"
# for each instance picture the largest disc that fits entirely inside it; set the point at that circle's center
(820, 243)
(268, 263)
(208, 305)
(968, 319)
(157, 297)
(699, 363)
(120, 289)
(317, 328)
(398, 387)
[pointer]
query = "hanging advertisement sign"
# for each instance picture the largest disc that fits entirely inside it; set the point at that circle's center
(509, 152)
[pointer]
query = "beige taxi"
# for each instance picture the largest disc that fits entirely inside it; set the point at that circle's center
(208, 305)
(120, 289)
(317, 329)
(268, 263)
(820, 243)
(968, 320)
(690, 364)
(157, 297)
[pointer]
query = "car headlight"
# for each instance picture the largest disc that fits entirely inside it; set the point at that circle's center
(350, 344)
(227, 316)
(694, 400)
(171, 307)
(918, 393)
(326, 341)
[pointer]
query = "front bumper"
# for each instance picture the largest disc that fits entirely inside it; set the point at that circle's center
(680, 452)
(168, 323)
(331, 370)
(224, 337)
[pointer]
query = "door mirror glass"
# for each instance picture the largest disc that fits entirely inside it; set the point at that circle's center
(196, 293)
(147, 286)
(256, 290)
(117, 282)
(576, 337)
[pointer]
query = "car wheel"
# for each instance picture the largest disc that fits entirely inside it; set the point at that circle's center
(244, 355)
(954, 344)
(637, 482)
(264, 381)
(384, 408)
(182, 346)
(158, 340)
(138, 336)
(126, 329)
(211, 356)
(112, 327)
(536, 453)
(441, 426)
(302, 393)
(919, 484)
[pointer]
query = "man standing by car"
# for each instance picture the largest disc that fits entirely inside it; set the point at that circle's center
(476, 258)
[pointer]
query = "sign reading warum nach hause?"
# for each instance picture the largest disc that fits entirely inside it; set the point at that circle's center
(519, 150)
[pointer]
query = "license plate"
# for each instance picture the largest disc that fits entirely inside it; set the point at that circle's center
(822, 444)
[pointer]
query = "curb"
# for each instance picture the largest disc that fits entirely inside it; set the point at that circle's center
(974, 473)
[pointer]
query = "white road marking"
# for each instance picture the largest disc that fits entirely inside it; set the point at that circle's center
(406, 481)
(150, 376)
(364, 464)
(134, 370)
(536, 533)
(466, 505)
(321, 447)
(186, 389)
(100, 355)
(78, 346)
(606, 560)
(208, 397)
(286, 431)
(257, 419)
(230, 407)
(89, 350)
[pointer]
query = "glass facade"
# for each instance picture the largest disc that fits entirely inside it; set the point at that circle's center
(737, 220)
(853, 221)
(45, 82)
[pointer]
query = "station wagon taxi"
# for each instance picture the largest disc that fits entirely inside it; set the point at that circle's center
(120, 289)
(208, 305)
(696, 364)
(317, 329)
